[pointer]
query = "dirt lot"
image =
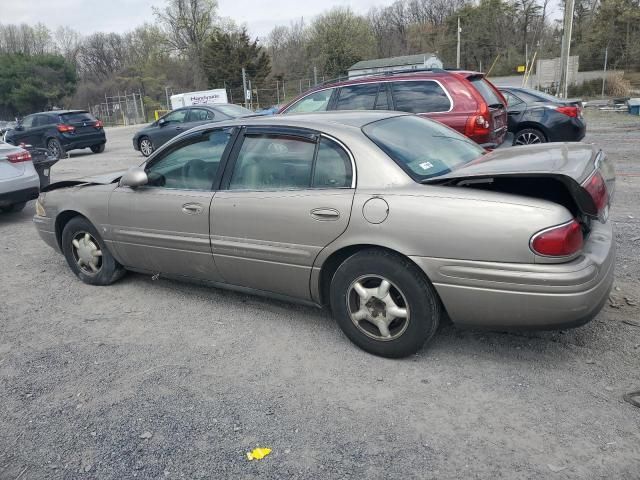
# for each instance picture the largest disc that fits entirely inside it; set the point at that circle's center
(156, 379)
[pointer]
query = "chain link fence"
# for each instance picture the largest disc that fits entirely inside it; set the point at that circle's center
(121, 109)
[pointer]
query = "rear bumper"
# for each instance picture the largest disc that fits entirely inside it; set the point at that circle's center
(573, 130)
(73, 142)
(535, 296)
(19, 196)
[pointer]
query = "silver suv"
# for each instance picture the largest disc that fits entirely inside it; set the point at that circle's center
(19, 181)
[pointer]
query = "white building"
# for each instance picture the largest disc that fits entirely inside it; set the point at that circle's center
(405, 62)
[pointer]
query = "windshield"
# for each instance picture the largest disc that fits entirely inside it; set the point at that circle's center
(234, 110)
(423, 148)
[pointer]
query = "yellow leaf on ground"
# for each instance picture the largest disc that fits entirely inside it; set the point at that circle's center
(258, 453)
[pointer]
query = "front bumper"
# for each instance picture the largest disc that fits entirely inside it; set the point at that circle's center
(47, 230)
(537, 296)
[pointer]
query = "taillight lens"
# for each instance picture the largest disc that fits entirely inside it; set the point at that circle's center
(99, 124)
(560, 241)
(569, 111)
(62, 128)
(19, 157)
(597, 188)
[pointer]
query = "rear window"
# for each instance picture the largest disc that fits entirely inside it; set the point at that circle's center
(486, 91)
(234, 110)
(75, 117)
(421, 147)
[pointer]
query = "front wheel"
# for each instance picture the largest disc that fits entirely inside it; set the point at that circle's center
(529, 136)
(146, 146)
(97, 148)
(87, 255)
(384, 303)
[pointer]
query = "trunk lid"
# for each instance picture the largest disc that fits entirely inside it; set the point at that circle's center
(84, 122)
(570, 164)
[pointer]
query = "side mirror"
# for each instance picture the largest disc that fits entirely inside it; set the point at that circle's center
(134, 177)
(162, 122)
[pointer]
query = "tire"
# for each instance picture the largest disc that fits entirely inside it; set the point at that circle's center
(107, 270)
(529, 136)
(408, 288)
(97, 148)
(55, 148)
(15, 208)
(146, 146)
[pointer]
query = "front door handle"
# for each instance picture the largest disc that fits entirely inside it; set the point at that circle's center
(192, 208)
(324, 214)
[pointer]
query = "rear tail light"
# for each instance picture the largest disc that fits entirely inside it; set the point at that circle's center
(478, 124)
(62, 128)
(19, 157)
(99, 124)
(597, 189)
(569, 111)
(560, 241)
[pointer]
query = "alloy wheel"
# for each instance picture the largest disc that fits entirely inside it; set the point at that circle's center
(146, 147)
(87, 253)
(528, 138)
(54, 148)
(378, 308)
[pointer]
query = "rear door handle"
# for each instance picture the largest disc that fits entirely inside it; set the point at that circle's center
(324, 214)
(192, 208)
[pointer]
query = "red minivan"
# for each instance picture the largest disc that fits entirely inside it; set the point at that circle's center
(463, 100)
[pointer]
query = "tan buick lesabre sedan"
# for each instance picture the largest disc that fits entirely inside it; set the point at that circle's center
(389, 219)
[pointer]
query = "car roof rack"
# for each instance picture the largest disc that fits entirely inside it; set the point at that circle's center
(389, 73)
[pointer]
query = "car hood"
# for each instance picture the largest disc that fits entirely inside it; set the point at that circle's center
(102, 179)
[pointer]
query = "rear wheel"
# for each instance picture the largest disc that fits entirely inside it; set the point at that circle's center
(55, 148)
(529, 136)
(384, 303)
(16, 207)
(97, 148)
(87, 255)
(146, 146)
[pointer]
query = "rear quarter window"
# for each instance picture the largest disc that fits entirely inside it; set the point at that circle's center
(486, 91)
(424, 96)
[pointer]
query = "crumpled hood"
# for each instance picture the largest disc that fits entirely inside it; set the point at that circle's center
(102, 179)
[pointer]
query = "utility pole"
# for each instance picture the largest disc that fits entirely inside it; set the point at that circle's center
(604, 75)
(566, 47)
(458, 51)
(315, 75)
(166, 93)
(244, 88)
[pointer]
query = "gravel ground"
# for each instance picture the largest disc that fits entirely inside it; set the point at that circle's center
(158, 379)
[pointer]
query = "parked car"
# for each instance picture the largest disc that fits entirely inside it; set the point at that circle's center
(537, 117)
(465, 101)
(19, 181)
(180, 120)
(5, 127)
(388, 218)
(60, 131)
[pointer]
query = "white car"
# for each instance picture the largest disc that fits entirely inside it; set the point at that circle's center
(19, 181)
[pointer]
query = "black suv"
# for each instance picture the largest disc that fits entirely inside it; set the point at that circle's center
(60, 131)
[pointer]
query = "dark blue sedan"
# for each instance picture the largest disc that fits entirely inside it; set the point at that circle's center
(182, 119)
(537, 117)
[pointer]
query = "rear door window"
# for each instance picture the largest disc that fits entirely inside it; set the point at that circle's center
(315, 102)
(333, 166)
(486, 91)
(358, 97)
(420, 97)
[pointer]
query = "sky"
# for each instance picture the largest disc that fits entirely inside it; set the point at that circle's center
(89, 16)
